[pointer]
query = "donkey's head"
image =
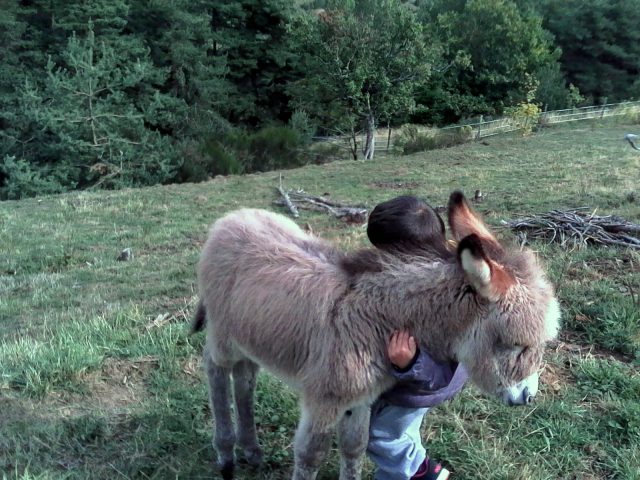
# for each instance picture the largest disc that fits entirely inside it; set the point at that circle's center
(516, 309)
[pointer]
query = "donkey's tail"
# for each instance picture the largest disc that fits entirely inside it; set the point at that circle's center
(199, 319)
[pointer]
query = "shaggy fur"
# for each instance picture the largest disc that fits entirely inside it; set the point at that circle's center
(277, 297)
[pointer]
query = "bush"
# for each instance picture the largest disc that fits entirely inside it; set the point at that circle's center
(552, 91)
(207, 160)
(525, 116)
(412, 138)
(324, 152)
(302, 124)
(237, 151)
(272, 148)
(20, 179)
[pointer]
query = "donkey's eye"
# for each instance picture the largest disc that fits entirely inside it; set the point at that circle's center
(519, 349)
(512, 348)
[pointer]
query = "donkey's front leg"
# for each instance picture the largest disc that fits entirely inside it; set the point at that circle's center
(353, 437)
(312, 440)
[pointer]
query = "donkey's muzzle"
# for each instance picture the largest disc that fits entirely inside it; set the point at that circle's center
(523, 392)
(526, 398)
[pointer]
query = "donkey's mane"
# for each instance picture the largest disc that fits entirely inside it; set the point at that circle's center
(373, 260)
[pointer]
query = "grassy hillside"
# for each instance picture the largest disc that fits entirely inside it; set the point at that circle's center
(98, 378)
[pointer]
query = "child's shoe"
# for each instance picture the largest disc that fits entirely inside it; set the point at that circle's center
(431, 470)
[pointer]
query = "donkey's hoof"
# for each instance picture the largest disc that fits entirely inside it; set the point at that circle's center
(253, 456)
(226, 470)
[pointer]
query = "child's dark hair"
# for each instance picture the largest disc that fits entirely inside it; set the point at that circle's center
(406, 223)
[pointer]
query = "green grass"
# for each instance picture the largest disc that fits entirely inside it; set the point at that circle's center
(99, 379)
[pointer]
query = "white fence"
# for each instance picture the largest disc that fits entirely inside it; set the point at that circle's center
(481, 129)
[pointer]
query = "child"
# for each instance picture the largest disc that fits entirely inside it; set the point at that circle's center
(403, 225)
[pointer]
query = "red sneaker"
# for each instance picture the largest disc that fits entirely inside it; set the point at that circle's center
(431, 470)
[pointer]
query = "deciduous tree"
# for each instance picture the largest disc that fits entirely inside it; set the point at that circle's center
(363, 61)
(492, 48)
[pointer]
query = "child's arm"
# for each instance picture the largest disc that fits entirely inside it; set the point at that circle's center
(412, 364)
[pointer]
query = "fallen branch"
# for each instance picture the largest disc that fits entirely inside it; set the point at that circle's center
(577, 228)
(299, 199)
(287, 201)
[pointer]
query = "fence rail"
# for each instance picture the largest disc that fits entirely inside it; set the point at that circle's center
(384, 140)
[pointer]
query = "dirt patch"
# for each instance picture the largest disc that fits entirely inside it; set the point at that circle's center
(571, 345)
(619, 270)
(192, 367)
(118, 387)
(555, 378)
(395, 185)
(120, 383)
(624, 264)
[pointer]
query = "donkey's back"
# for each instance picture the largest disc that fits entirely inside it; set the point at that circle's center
(261, 277)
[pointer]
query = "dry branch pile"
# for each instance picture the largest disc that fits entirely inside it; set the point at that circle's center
(577, 228)
(298, 199)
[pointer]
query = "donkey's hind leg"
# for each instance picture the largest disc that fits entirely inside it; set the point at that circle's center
(219, 396)
(312, 440)
(244, 383)
(353, 436)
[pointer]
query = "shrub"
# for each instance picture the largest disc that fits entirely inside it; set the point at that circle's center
(324, 152)
(302, 124)
(207, 160)
(20, 179)
(237, 151)
(525, 116)
(275, 147)
(553, 92)
(412, 139)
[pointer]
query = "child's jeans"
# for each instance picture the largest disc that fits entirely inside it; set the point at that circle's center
(395, 445)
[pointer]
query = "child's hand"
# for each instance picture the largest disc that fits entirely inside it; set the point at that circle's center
(401, 349)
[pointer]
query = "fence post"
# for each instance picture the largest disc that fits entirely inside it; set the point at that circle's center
(389, 135)
(479, 128)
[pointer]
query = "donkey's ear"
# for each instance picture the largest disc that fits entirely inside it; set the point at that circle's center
(487, 277)
(464, 221)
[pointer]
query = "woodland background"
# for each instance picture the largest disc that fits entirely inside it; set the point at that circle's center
(122, 93)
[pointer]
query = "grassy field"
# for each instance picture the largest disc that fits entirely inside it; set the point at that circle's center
(99, 379)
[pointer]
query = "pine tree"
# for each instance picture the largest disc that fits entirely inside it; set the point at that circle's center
(179, 38)
(252, 36)
(11, 70)
(600, 43)
(90, 131)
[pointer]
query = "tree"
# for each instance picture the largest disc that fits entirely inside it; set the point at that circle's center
(11, 72)
(180, 40)
(252, 37)
(491, 50)
(88, 130)
(600, 42)
(363, 61)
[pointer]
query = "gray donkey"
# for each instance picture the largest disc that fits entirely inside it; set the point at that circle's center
(274, 296)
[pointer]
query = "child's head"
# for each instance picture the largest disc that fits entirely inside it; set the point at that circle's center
(405, 223)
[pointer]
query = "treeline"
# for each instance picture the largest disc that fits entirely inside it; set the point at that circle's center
(118, 93)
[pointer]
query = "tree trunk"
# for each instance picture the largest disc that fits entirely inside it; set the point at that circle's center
(370, 142)
(353, 144)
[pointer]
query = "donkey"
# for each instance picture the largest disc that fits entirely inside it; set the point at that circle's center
(273, 296)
